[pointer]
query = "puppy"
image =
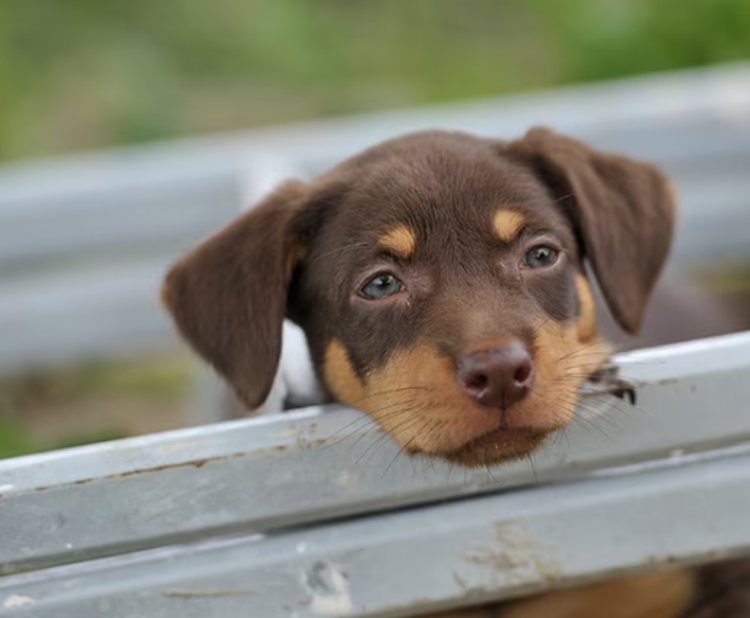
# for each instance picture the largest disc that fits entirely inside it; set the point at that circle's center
(441, 281)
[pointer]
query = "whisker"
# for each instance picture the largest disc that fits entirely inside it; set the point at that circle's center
(488, 468)
(362, 432)
(392, 434)
(368, 421)
(400, 452)
(590, 423)
(389, 392)
(564, 197)
(530, 458)
(580, 349)
(376, 411)
(538, 329)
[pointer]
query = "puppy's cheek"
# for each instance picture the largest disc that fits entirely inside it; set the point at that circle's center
(414, 396)
(416, 399)
(587, 310)
(563, 364)
(553, 399)
(339, 375)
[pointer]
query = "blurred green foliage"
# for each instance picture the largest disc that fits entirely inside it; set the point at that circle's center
(80, 74)
(35, 409)
(16, 439)
(612, 38)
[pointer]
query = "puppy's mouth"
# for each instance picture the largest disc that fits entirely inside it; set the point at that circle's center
(504, 435)
(498, 445)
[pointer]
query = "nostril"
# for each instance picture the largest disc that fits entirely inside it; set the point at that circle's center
(522, 373)
(477, 382)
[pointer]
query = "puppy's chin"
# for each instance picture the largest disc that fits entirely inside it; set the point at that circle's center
(497, 447)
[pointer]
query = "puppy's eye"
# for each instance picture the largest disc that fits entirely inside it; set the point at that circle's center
(541, 256)
(381, 286)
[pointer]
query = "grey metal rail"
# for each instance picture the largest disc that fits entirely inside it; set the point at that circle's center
(657, 490)
(317, 464)
(410, 562)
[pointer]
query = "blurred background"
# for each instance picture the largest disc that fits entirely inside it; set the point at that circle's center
(81, 75)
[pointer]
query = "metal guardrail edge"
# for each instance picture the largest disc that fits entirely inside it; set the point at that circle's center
(426, 559)
(287, 470)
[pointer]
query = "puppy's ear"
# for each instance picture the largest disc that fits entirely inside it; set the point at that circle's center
(228, 296)
(623, 212)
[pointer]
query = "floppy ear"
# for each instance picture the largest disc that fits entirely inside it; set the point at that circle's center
(623, 212)
(228, 296)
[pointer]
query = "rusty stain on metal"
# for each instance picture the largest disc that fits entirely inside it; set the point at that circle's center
(195, 463)
(304, 443)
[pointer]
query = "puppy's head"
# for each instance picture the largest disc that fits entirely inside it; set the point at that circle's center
(440, 281)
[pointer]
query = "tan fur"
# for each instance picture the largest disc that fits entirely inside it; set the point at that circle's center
(562, 361)
(339, 375)
(400, 240)
(507, 224)
(665, 594)
(418, 400)
(587, 317)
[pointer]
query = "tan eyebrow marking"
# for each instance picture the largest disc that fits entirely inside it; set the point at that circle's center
(400, 240)
(507, 224)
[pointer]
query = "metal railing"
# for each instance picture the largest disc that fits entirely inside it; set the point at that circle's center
(312, 513)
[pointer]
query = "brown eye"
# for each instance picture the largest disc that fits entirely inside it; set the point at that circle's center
(381, 286)
(541, 256)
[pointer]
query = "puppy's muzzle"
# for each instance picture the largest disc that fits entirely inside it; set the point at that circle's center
(498, 377)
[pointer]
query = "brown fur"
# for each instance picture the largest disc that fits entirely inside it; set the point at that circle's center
(444, 223)
(627, 249)
(227, 295)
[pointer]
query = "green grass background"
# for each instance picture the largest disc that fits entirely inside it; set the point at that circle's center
(79, 74)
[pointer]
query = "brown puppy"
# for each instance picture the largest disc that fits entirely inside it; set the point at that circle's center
(439, 278)
(440, 281)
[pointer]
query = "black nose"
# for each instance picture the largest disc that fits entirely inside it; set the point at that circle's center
(498, 377)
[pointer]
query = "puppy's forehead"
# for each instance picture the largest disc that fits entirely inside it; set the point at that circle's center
(449, 175)
(400, 201)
